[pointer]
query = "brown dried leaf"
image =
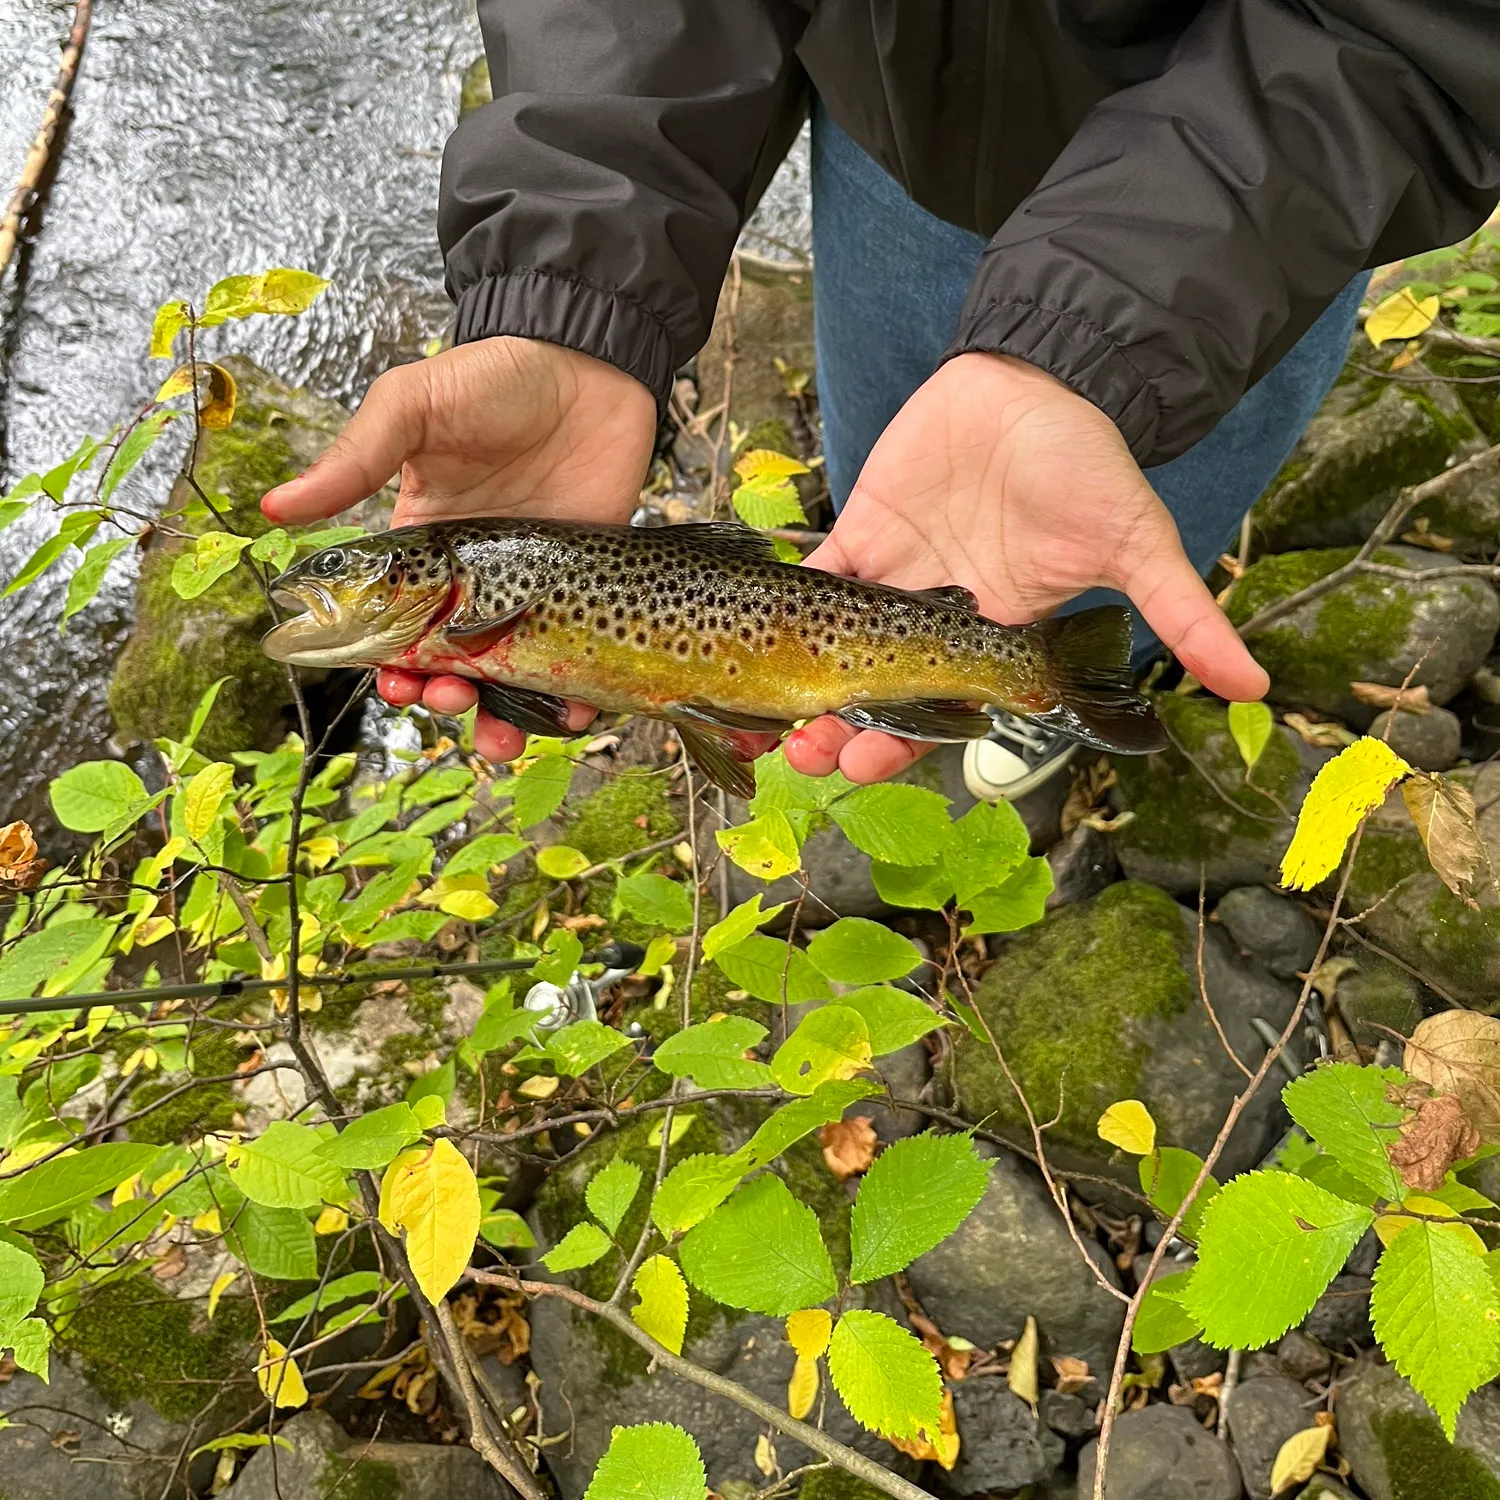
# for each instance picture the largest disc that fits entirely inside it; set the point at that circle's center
(1458, 1052)
(849, 1146)
(1410, 700)
(1072, 1374)
(20, 864)
(1421, 533)
(1431, 1141)
(945, 1451)
(1320, 736)
(1086, 797)
(1443, 811)
(1325, 978)
(171, 1265)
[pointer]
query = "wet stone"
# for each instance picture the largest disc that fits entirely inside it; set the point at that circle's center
(1263, 1414)
(1301, 1357)
(1161, 1453)
(1067, 1415)
(1003, 1447)
(1429, 741)
(1083, 863)
(1271, 928)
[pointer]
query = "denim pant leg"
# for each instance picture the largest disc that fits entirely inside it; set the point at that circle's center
(889, 284)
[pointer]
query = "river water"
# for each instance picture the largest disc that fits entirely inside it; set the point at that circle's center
(210, 137)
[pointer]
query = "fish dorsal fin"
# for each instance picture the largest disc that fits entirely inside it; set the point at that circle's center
(728, 539)
(953, 594)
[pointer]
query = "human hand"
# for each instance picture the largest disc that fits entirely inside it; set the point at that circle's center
(996, 476)
(503, 426)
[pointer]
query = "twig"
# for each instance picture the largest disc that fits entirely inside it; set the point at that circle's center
(1234, 1056)
(1231, 1379)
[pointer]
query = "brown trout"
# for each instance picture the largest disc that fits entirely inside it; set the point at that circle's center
(704, 626)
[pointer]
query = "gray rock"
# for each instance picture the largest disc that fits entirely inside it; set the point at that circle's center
(1396, 1448)
(1067, 1415)
(1012, 1257)
(1301, 1357)
(905, 1074)
(1003, 1447)
(324, 1461)
(1377, 999)
(1083, 863)
(1340, 1319)
(1325, 1487)
(1430, 741)
(1270, 928)
(1263, 1414)
(1196, 1360)
(1161, 1453)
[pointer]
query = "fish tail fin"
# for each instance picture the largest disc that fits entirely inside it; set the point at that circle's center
(1097, 698)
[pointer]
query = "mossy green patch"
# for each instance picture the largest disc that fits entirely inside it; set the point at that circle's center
(356, 1477)
(1423, 1465)
(1063, 1000)
(626, 814)
(188, 1117)
(476, 90)
(836, 1484)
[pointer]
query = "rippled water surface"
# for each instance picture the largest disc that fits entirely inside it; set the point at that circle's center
(209, 137)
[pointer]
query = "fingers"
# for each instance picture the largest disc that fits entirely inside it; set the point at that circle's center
(827, 745)
(380, 437)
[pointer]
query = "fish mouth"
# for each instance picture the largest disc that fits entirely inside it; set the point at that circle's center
(325, 634)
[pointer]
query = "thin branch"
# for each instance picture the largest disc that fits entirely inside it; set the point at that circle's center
(1234, 1056)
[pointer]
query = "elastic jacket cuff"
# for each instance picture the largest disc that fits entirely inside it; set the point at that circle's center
(561, 309)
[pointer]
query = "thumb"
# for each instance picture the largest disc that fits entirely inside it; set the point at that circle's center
(385, 431)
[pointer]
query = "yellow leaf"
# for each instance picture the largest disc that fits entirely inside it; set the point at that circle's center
(1349, 787)
(802, 1388)
(282, 290)
(1298, 1458)
(539, 1086)
(217, 1290)
(1401, 316)
(765, 1455)
(320, 850)
(472, 906)
(1022, 1377)
(178, 383)
(171, 318)
(766, 848)
(152, 930)
(663, 1309)
(944, 1449)
(766, 463)
(142, 1057)
(681, 1124)
(1129, 1126)
(208, 1222)
(216, 410)
(1388, 1226)
(809, 1330)
(435, 1199)
(659, 951)
(1446, 819)
(205, 795)
(393, 1173)
(130, 1188)
(279, 1378)
(331, 1221)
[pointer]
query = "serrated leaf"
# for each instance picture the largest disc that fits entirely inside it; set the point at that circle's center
(767, 503)
(895, 823)
(713, 1054)
(286, 1168)
(765, 848)
(1401, 316)
(433, 1197)
(1436, 1312)
(1270, 1244)
(612, 1190)
(1129, 1126)
(1351, 785)
(889, 1382)
(829, 1043)
(654, 1461)
(1250, 726)
(892, 1019)
(1344, 1109)
(758, 965)
(915, 1194)
(1166, 1175)
(656, 900)
(808, 1331)
(767, 463)
(738, 925)
(855, 950)
(988, 843)
(1162, 1320)
(692, 1190)
(760, 1251)
(581, 1246)
(1458, 1052)
(781, 788)
(1298, 1458)
(926, 887)
(577, 1048)
(539, 790)
(1020, 900)
(278, 1377)
(663, 1309)
(372, 1141)
(204, 797)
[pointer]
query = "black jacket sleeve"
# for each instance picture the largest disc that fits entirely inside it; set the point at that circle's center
(1198, 223)
(595, 203)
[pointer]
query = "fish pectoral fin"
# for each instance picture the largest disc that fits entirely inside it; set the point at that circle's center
(474, 633)
(934, 719)
(729, 718)
(535, 713)
(717, 757)
(951, 593)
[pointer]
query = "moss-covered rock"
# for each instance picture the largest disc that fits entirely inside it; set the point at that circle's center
(627, 813)
(1194, 809)
(1370, 628)
(1099, 1003)
(179, 647)
(475, 91)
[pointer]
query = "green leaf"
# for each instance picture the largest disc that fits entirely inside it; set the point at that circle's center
(779, 788)
(581, 1246)
(1162, 1320)
(1344, 1109)
(757, 964)
(1436, 1312)
(539, 789)
(1018, 901)
(88, 576)
(926, 887)
(478, 857)
(663, 1309)
(692, 1190)
(612, 1190)
(206, 560)
(989, 841)
(499, 1026)
(768, 502)
(275, 1242)
(656, 900)
(560, 957)
(341, 1289)
(801, 1117)
(577, 1048)
(654, 1461)
(55, 481)
(505, 1229)
(137, 444)
(1166, 1175)
(857, 951)
(892, 1019)
(1269, 1245)
(204, 709)
(829, 1043)
(75, 528)
(54, 958)
(331, 536)
(47, 1191)
(286, 1168)
(274, 548)
(374, 1140)
(437, 1083)
(738, 925)
(90, 796)
(766, 847)
(386, 890)
(713, 1054)
(237, 1441)
(915, 1194)
(760, 1251)
(1250, 726)
(559, 862)
(21, 1282)
(30, 1340)
(889, 1382)
(895, 823)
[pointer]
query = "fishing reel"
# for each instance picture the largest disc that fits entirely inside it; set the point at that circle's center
(578, 1000)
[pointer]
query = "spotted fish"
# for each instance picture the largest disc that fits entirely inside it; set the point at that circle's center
(704, 626)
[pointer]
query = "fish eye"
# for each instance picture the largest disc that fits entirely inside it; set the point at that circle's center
(326, 564)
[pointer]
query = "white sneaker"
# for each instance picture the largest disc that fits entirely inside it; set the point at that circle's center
(1016, 757)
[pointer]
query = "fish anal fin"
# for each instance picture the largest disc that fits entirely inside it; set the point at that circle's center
(952, 594)
(934, 719)
(533, 712)
(716, 756)
(730, 718)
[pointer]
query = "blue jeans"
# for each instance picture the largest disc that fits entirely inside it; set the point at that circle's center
(890, 283)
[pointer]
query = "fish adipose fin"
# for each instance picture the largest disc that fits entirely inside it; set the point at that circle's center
(535, 713)
(729, 539)
(932, 719)
(1099, 704)
(715, 756)
(953, 594)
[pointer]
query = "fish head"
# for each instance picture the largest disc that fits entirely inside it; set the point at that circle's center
(362, 603)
